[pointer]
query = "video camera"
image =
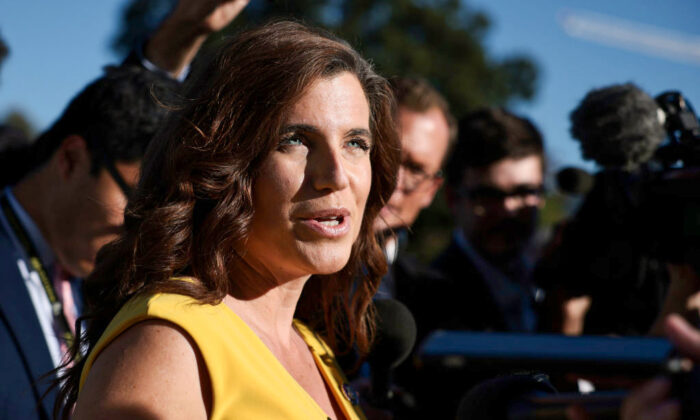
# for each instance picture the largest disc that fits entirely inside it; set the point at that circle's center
(649, 151)
(672, 191)
(642, 212)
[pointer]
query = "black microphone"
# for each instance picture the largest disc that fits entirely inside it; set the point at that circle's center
(574, 181)
(396, 335)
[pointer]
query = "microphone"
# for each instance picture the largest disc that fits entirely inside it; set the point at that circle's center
(619, 126)
(574, 181)
(396, 335)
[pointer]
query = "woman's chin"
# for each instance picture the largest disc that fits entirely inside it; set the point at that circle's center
(330, 264)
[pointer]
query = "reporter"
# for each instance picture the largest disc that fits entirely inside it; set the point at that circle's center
(241, 245)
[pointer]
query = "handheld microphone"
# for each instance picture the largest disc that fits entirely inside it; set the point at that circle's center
(396, 335)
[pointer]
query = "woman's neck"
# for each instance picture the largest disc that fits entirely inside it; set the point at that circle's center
(265, 302)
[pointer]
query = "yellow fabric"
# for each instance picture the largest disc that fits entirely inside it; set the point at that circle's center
(248, 382)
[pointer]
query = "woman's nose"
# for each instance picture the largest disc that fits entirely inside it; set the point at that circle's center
(329, 171)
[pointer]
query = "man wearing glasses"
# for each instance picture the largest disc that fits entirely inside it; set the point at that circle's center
(495, 191)
(71, 201)
(427, 128)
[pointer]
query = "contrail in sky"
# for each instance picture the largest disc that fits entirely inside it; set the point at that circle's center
(634, 36)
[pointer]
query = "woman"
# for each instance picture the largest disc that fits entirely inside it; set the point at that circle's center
(255, 207)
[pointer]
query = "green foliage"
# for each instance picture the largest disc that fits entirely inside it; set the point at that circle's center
(557, 207)
(440, 40)
(17, 119)
(4, 51)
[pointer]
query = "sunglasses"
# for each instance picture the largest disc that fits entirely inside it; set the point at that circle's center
(486, 195)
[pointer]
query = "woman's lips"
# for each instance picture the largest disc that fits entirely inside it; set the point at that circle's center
(328, 223)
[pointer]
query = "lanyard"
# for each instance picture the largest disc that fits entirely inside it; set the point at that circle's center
(35, 261)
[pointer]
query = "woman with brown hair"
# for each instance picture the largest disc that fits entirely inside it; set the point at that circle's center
(248, 250)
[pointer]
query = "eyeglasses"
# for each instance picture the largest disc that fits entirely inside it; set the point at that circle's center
(108, 162)
(522, 196)
(413, 176)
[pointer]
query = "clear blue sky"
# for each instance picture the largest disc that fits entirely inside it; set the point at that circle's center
(57, 47)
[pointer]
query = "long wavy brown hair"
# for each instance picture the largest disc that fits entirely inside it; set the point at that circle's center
(193, 204)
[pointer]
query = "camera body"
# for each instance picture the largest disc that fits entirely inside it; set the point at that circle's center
(642, 212)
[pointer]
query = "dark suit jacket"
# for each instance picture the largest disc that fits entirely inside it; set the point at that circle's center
(24, 355)
(418, 287)
(467, 301)
(451, 295)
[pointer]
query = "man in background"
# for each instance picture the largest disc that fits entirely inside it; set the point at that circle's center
(495, 191)
(56, 218)
(427, 129)
(70, 202)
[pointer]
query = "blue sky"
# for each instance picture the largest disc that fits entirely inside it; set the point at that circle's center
(571, 66)
(57, 47)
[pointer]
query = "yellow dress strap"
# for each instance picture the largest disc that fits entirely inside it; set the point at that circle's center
(346, 397)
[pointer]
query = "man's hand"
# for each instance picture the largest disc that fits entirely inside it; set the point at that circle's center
(684, 336)
(651, 400)
(178, 39)
(208, 16)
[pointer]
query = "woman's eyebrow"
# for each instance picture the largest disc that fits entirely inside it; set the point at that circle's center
(313, 129)
(299, 127)
(359, 132)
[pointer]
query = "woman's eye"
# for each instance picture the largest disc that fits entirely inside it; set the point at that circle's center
(291, 141)
(361, 144)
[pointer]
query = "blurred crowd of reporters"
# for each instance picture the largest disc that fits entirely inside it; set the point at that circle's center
(623, 261)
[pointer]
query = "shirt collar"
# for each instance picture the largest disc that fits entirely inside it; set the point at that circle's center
(42, 247)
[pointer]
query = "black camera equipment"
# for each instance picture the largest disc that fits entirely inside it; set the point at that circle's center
(672, 195)
(642, 212)
(527, 394)
(681, 124)
(652, 152)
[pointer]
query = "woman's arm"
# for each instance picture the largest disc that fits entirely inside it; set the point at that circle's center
(151, 371)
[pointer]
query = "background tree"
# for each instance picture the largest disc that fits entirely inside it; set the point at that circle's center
(4, 51)
(439, 40)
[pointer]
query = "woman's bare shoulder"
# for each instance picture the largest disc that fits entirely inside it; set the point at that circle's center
(152, 370)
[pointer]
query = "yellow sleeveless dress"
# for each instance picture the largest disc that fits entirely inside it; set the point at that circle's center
(247, 380)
